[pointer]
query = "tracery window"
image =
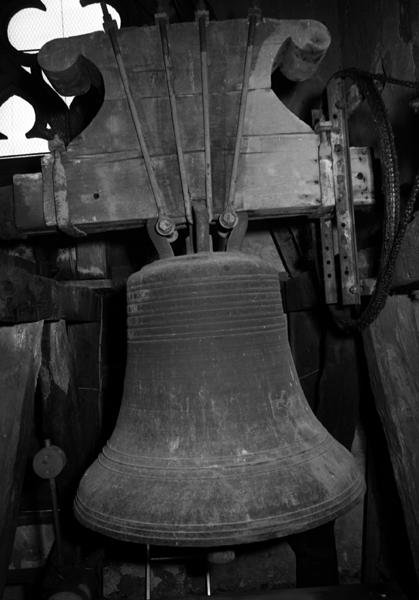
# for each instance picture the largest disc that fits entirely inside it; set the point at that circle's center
(27, 31)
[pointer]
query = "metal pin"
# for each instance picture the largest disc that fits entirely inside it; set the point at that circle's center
(208, 582)
(147, 573)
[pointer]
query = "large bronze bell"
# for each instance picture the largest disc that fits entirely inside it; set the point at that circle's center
(215, 443)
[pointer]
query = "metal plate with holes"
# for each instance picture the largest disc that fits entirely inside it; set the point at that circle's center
(343, 190)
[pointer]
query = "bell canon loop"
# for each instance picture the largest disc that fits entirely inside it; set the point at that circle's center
(215, 443)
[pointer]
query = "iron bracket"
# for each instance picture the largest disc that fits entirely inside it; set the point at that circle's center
(345, 220)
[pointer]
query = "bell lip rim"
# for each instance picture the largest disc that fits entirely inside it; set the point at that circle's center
(356, 495)
(353, 494)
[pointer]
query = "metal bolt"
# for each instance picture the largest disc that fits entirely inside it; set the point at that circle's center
(228, 220)
(323, 126)
(165, 226)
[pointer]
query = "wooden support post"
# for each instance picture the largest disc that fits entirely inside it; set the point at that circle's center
(68, 421)
(339, 386)
(392, 347)
(8, 229)
(86, 341)
(20, 351)
(406, 270)
(85, 261)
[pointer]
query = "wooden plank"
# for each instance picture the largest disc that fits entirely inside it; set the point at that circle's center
(332, 592)
(287, 176)
(20, 256)
(20, 351)
(7, 223)
(25, 297)
(285, 238)
(28, 201)
(264, 182)
(339, 386)
(92, 262)
(306, 342)
(70, 422)
(391, 348)
(301, 293)
(406, 271)
(101, 196)
(85, 340)
(85, 261)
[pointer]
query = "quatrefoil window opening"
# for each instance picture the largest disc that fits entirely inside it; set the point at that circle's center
(28, 30)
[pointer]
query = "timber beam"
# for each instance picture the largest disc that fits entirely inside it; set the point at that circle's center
(391, 348)
(25, 297)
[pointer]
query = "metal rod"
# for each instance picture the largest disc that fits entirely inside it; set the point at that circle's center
(202, 17)
(208, 582)
(253, 18)
(110, 27)
(57, 529)
(162, 20)
(327, 194)
(147, 573)
(203, 239)
(106, 15)
(56, 520)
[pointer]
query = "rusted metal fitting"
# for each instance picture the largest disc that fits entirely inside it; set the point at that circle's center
(323, 126)
(165, 227)
(229, 219)
(60, 192)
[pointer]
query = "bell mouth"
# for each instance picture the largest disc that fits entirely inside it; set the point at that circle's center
(248, 504)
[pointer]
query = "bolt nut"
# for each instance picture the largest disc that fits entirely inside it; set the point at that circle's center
(165, 226)
(228, 220)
